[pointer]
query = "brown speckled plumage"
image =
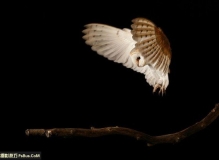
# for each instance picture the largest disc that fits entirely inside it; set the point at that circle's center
(152, 43)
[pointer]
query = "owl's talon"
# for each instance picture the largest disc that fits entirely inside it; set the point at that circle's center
(161, 89)
(156, 87)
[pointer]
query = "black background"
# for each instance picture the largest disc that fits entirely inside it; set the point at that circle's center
(53, 79)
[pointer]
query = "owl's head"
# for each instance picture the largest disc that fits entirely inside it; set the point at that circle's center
(137, 58)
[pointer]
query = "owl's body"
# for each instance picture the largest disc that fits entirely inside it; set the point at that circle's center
(144, 49)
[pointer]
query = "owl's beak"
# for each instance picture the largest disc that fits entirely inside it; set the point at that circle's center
(137, 61)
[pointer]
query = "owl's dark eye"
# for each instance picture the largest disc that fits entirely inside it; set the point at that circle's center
(138, 58)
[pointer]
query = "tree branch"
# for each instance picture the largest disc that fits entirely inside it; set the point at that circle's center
(151, 140)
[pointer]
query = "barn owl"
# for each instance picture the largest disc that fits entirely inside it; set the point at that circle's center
(144, 49)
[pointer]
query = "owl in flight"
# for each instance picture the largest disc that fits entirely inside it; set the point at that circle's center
(144, 48)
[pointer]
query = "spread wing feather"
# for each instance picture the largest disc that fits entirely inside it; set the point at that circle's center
(152, 43)
(113, 43)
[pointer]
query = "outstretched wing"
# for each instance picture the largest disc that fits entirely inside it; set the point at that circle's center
(113, 43)
(152, 44)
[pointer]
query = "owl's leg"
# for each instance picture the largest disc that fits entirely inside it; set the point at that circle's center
(156, 86)
(161, 88)
(162, 83)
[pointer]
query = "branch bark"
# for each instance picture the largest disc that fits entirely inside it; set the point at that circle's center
(151, 140)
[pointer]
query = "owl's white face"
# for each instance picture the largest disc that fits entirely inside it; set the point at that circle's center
(137, 58)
